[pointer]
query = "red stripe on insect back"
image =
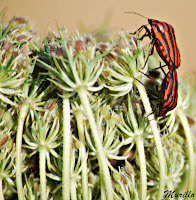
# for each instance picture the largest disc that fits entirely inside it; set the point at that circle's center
(169, 93)
(177, 60)
(174, 90)
(165, 43)
(163, 38)
(174, 52)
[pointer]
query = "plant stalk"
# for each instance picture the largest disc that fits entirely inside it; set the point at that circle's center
(42, 165)
(73, 190)
(157, 139)
(140, 147)
(104, 171)
(1, 190)
(80, 125)
(189, 139)
(66, 149)
(23, 113)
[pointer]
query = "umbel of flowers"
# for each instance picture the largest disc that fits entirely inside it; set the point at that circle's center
(76, 119)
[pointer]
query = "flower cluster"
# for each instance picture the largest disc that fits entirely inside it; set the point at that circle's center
(76, 119)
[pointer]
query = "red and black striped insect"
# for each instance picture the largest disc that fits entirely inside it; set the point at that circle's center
(169, 93)
(163, 38)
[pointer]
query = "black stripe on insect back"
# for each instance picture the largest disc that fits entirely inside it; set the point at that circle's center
(176, 56)
(173, 91)
(169, 93)
(170, 80)
(165, 40)
(174, 46)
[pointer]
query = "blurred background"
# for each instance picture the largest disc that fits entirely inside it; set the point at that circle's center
(109, 15)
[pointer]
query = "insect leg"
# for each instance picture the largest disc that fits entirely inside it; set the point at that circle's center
(150, 52)
(157, 85)
(161, 67)
(148, 33)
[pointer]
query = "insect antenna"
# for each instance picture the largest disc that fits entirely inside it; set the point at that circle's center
(135, 14)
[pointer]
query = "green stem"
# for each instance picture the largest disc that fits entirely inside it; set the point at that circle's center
(73, 190)
(66, 150)
(189, 139)
(1, 190)
(103, 195)
(23, 113)
(104, 171)
(80, 126)
(140, 147)
(42, 165)
(157, 139)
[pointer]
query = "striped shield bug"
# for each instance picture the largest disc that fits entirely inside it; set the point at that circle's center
(169, 93)
(163, 38)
